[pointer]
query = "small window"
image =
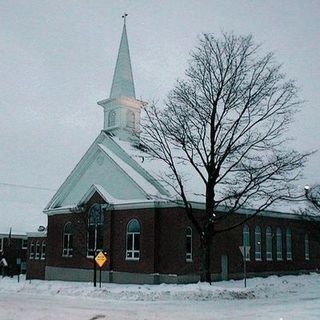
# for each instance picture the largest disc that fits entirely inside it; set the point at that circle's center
(43, 250)
(246, 240)
(269, 244)
(131, 119)
(289, 244)
(32, 249)
(257, 243)
(279, 244)
(1, 244)
(306, 247)
(133, 240)
(24, 244)
(112, 119)
(67, 240)
(37, 250)
(189, 244)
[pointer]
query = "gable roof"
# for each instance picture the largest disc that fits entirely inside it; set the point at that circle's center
(103, 167)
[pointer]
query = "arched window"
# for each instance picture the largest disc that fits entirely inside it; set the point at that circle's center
(43, 250)
(306, 247)
(67, 240)
(246, 240)
(279, 244)
(95, 232)
(31, 255)
(257, 243)
(189, 244)
(289, 244)
(37, 250)
(131, 119)
(112, 119)
(133, 240)
(269, 244)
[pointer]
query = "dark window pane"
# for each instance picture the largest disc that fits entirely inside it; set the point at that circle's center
(134, 226)
(129, 242)
(91, 240)
(99, 237)
(70, 241)
(188, 245)
(136, 242)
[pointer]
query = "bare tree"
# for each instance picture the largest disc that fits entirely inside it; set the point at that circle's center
(313, 197)
(226, 121)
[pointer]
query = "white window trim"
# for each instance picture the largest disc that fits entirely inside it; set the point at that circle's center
(269, 254)
(43, 254)
(279, 254)
(289, 253)
(1, 244)
(132, 251)
(306, 252)
(247, 258)
(26, 246)
(95, 249)
(257, 253)
(67, 252)
(189, 255)
(37, 252)
(32, 250)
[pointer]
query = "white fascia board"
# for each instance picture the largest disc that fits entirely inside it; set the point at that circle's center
(59, 210)
(14, 236)
(103, 193)
(36, 234)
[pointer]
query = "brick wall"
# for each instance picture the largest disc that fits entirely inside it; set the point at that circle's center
(36, 264)
(163, 242)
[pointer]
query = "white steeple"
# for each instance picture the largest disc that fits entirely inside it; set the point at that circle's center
(122, 84)
(122, 110)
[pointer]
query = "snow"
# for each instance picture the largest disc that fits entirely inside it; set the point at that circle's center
(286, 298)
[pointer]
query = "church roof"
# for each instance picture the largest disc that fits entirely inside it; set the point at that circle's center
(122, 84)
(112, 172)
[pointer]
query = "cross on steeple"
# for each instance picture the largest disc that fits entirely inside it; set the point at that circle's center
(124, 17)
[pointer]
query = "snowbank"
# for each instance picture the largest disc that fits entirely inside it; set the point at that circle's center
(228, 290)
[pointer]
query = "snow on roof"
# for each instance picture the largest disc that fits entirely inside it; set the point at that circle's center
(21, 209)
(137, 178)
(194, 186)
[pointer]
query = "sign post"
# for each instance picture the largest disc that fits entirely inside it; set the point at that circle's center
(100, 259)
(245, 250)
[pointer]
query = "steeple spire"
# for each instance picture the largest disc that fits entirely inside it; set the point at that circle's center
(122, 111)
(122, 84)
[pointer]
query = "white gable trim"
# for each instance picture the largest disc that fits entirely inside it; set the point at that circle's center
(106, 196)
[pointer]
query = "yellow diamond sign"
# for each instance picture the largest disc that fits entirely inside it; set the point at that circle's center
(101, 259)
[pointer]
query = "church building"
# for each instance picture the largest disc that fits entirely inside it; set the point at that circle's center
(112, 202)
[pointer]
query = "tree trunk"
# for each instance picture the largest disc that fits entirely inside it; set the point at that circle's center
(205, 274)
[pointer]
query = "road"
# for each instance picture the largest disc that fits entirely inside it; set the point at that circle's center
(35, 307)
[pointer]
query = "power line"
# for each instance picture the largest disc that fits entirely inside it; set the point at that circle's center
(24, 186)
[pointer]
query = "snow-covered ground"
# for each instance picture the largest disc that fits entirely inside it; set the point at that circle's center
(280, 298)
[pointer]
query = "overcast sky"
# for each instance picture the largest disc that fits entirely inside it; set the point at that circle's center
(57, 60)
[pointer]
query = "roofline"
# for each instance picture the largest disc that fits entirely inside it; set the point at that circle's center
(36, 234)
(13, 235)
(196, 205)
